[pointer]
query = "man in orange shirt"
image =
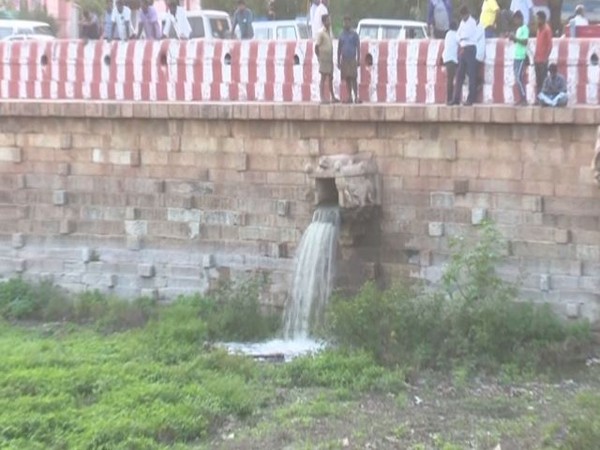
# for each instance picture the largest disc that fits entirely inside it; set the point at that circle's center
(543, 47)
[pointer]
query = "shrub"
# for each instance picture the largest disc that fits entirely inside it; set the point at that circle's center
(20, 300)
(472, 319)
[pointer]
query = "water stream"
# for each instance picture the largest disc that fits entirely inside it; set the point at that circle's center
(313, 281)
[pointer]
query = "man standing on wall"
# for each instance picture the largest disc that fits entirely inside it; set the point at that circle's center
(439, 15)
(348, 59)
(489, 17)
(524, 7)
(243, 18)
(176, 22)
(148, 22)
(467, 60)
(324, 52)
(121, 21)
(317, 19)
(520, 39)
(543, 47)
(450, 59)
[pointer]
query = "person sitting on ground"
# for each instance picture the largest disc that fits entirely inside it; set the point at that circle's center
(554, 90)
(348, 59)
(243, 18)
(324, 52)
(176, 22)
(578, 20)
(148, 21)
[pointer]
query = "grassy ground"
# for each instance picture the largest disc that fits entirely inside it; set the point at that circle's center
(67, 387)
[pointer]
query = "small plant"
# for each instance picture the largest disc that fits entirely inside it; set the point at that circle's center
(472, 320)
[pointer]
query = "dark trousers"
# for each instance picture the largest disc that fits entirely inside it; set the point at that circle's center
(439, 34)
(450, 75)
(467, 66)
(541, 70)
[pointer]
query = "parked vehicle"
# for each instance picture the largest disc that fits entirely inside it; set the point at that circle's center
(382, 29)
(9, 28)
(28, 37)
(206, 24)
(281, 30)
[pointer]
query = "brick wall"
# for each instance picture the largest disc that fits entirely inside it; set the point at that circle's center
(163, 199)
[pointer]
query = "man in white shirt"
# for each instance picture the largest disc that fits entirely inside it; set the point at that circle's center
(317, 20)
(525, 6)
(121, 21)
(450, 59)
(578, 20)
(467, 60)
(176, 19)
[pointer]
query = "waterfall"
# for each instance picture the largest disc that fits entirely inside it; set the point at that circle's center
(313, 274)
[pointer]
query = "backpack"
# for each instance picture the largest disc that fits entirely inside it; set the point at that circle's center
(441, 21)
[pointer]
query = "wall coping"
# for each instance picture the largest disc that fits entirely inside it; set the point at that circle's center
(579, 115)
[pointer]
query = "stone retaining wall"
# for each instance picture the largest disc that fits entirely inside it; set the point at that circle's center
(163, 199)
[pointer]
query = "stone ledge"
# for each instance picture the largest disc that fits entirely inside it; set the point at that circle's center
(579, 115)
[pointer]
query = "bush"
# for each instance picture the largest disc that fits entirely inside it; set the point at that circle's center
(472, 319)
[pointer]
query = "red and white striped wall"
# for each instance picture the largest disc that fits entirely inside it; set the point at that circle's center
(391, 71)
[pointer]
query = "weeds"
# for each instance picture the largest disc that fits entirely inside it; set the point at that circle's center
(471, 321)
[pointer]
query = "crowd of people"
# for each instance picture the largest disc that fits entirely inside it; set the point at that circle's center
(463, 52)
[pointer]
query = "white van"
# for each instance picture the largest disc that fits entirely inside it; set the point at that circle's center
(383, 29)
(281, 30)
(24, 29)
(205, 24)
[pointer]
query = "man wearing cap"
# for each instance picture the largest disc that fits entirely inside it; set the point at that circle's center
(554, 91)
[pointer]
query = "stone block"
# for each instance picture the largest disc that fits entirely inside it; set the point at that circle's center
(136, 227)
(478, 215)
(533, 203)
(134, 243)
(20, 265)
(430, 149)
(443, 200)
(545, 283)
(88, 255)
(66, 226)
(283, 208)
(501, 170)
(208, 261)
(562, 236)
(11, 154)
(436, 229)
(20, 181)
(132, 213)
(64, 169)
(18, 240)
(573, 310)
(241, 163)
(66, 141)
(460, 187)
(146, 270)
(59, 198)
(194, 229)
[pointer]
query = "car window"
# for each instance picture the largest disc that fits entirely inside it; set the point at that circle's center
(197, 25)
(262, 34)
(369, 32)
(391, 32)
(286, 33)
(415, 33)
(303, 30)
(23, 31)
(5, 32)
(220, 28)
(43, 29)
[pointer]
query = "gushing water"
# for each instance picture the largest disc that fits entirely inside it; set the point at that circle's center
(313, 274)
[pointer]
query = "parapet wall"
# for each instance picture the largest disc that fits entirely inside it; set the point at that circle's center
(391, 71)
(163, 199)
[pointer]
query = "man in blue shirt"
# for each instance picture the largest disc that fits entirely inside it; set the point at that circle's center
(554, 91)
(348, 59)
(243, 17)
